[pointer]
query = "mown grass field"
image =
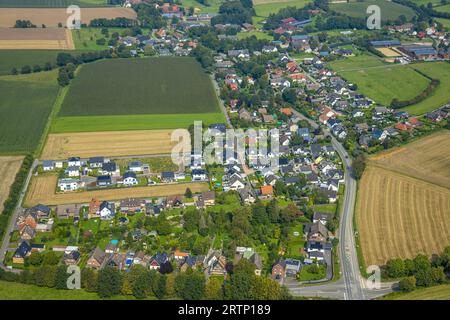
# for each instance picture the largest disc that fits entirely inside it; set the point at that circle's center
(404, 201)
(140, 86)
(25, 104)
(212, 7)
(50, 3)
(19, 291)
(85, 38)
(389, 10)
(383, 82)
(380, 81)
(265, 7)
(445, 22)
(441, 96)
(441, 292)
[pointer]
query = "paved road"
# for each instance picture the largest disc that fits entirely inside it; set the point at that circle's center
(13, 219)
(351, 285)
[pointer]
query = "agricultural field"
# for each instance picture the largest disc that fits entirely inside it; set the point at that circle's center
(403, 204)
(85, 38)
(110, 143)
(52, 17)
(383, 82)
(133, 122)
(441, 96)
(445, 8)
(441, 292)
(389, 10)
(50, 3)
(212, 7)
(160, 93)
(445, 22)
(265, 7)
(10, 59)
(9, 166)
(42, 190)
(427, 159)
(39, 38)
(25, 104)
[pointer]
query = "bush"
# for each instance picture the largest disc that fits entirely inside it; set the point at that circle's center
(407, 284)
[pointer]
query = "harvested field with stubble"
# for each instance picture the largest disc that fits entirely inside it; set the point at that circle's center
(109, 143)
(403, 206)
(51, 17)
(426, 159)
(42, 190)
(36, 38)
(399, 216)
(9, 166)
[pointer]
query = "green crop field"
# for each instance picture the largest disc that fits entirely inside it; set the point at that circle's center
(133, 122)
(50, 3)
(389, 10)
(25, 104)
(445, 8)
(441, 292)
(10, 59)
(140, 86)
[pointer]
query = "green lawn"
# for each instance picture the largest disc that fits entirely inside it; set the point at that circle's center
(19, 291)
(380, 81)
(50, 3)
(441, 96)
(264, 8)
(25, 104)
(140, 86)
(213, 6)
(307, 276)
(445, 22)
(441, 292)
(445, 8)
(258, 34)
(389, 10)
(295, 243)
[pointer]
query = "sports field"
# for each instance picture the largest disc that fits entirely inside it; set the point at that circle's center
(110, 143)
(403, 205)
(53, 16)
(9, 166)
(388, 10)
(42, 190)
(36, 38)
(25, 104)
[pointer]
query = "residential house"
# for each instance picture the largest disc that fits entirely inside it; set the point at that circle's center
(21, 252)
(316, 232)
(279, 270)
(107, 210)
(130, 179)
(292, 267)
(215, 263)
(97, 259)
(130, 205)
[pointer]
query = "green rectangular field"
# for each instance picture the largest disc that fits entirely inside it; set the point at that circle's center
(51, 3)
(389, 10)
(140, 86)
(25, 104)
(10, 59)
(133, 122)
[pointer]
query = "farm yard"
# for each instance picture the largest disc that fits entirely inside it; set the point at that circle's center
(42, 190)
(9, 166)
(25, 104)
(48, 38)
(111, 143)
(52, 17)
(383, 82)
(389, 10)
(404, 201)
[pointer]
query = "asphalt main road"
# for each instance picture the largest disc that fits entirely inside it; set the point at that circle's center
(351, 285)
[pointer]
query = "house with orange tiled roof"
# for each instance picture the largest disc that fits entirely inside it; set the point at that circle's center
(286, 111)
(297, 77)
(323, 118)
(267, 191)
(180, 255)
(402, 126)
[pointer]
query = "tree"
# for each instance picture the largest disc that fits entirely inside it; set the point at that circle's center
(359, 165)
(213, 289)
(50, 259)
(159, 286)
(61, 277)
(407, 284)
(395, 268)
(63, 78)
(25, 70)
(190, 285)
(188, 193)
(240, 284)
(37, 68)
(109, 282)
(14, 71)
(89, 280)
(35, 259)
